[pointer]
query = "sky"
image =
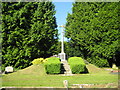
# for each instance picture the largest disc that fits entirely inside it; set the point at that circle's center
(62, 9)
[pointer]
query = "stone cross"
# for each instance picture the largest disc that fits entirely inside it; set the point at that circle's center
(62, 54)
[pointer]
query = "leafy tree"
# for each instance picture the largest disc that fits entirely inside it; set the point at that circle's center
(27, 32)
(93, 27)
(14, 31)
(43, 30)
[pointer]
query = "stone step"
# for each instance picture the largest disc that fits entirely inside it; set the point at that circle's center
(67, 72)
(66, 68)
(67, 65)
(64, 61)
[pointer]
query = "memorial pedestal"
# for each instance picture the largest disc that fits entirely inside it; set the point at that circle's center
(62, 56)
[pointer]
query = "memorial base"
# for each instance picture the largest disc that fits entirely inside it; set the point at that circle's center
(62, 56)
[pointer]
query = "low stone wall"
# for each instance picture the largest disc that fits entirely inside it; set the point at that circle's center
(82, 85)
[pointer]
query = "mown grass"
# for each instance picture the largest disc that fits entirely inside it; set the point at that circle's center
(35, 76)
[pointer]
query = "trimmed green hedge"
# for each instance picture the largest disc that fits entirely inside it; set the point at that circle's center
(77, 65)
(52, 65)
(38, 61)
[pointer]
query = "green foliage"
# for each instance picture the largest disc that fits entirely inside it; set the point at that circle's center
(28, 32)
(52, 66)
(39, 61)
(77, 65)
(92, 29)
(100, 62)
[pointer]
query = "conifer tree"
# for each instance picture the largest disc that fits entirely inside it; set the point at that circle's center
(93, 27)
(43, 30)
(24, 33)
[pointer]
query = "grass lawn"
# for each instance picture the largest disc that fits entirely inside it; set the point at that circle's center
(35, 76)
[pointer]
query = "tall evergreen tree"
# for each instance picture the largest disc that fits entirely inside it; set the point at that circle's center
(93, 27)
(24, 32)
(14, 31)
(43, 30)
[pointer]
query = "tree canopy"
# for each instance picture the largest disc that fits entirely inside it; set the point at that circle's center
(93, 28)
(28, 32)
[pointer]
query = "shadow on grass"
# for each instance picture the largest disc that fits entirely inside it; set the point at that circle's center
(85, 72)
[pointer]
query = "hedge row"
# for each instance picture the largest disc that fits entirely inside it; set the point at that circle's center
(52, 66)
(38, 61)
(77, 65)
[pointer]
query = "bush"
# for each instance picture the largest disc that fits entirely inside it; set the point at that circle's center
(77, 65)
(52, 66)
(100, 62)
(38, 61)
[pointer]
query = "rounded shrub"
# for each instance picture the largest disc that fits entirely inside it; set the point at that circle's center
(38, 61)
(77, 65)
(52, 66)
